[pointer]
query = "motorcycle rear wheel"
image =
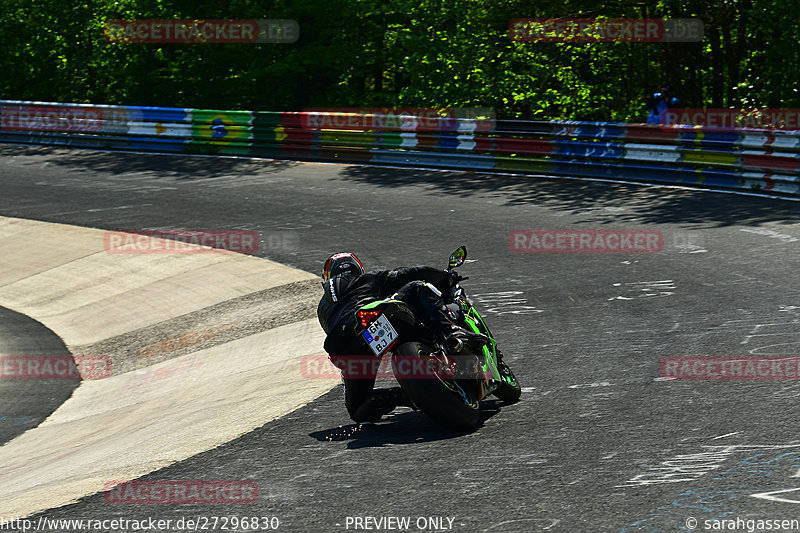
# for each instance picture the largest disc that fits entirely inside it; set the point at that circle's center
(451, 402)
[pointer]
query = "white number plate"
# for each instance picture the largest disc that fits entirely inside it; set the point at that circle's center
(380, 335)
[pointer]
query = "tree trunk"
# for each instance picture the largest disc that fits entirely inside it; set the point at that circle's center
(716, 66)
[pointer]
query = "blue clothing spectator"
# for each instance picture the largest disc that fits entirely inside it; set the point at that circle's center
(659, 103)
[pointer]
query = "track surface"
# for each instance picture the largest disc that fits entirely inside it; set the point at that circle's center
(25, 403)
(598, 443)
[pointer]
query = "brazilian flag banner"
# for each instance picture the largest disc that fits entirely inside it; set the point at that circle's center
(222, 132)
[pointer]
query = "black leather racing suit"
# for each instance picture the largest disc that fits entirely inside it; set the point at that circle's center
(345, 294)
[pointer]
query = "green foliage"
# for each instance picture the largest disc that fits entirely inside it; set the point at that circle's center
(403, 53)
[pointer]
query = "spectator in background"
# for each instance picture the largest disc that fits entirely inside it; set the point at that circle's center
(659, 103)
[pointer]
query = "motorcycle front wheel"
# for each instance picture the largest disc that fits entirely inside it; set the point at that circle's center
(509, 389)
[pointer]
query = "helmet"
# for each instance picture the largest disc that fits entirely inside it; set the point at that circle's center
(342, 263)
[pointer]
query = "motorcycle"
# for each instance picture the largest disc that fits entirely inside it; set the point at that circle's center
(447, 387)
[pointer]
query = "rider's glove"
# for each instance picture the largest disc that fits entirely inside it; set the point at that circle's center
(454, 277)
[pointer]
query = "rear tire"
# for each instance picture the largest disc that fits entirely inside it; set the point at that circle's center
(452, 403)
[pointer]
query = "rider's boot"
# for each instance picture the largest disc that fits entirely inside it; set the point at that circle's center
(382, 402)
(457, 338)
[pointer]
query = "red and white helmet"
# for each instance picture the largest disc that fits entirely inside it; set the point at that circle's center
(342, 263)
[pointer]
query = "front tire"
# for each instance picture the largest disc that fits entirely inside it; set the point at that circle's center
(509, 389)
(453, 403)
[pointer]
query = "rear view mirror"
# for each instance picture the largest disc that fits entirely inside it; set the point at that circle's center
(457, 258)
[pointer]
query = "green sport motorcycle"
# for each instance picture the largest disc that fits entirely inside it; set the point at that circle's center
(447, 387)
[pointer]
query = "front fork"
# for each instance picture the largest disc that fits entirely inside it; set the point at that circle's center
(488, 363)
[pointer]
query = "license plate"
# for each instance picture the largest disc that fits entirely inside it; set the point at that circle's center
(380, 335)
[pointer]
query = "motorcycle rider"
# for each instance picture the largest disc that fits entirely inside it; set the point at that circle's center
(347, 288)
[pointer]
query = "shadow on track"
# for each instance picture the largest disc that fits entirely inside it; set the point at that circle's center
(401, 427)
(600, 202)
(169, 166)
(597, 200)
(26, 402)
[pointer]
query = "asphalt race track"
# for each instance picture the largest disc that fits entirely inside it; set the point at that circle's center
(26, 403)
(600, 441)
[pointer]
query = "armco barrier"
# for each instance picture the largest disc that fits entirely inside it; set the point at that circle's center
(760, 160)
